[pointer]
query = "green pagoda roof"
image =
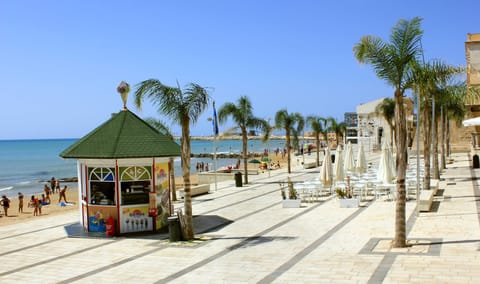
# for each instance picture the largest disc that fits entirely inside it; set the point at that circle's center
(125, 135)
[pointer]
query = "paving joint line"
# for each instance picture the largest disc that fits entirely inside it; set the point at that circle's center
(55, 258)
(233, 247)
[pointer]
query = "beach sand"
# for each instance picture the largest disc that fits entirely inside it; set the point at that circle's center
(72, 196)
(47, 210)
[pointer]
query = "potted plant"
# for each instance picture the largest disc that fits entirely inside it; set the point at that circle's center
(289, 195)
(345, 196)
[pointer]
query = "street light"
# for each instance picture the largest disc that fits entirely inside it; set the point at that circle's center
(214, 156)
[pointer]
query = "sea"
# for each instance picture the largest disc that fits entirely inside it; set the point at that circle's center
(26, 165)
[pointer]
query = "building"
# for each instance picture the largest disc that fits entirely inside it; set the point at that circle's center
(371, 129)
(124, 175)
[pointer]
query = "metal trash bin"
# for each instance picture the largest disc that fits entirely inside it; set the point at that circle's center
(238, 179)
(476, 162)
(174, 229)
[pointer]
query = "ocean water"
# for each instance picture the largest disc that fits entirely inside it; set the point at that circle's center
(26, 165)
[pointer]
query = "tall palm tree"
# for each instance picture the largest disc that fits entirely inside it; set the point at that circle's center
(391, 62)
(455, 110)
(242, 115)
(183, 107)
(387, 109)
(336, 127)
(162, 128)
(316, 123)
(428, 79)
(292, 123)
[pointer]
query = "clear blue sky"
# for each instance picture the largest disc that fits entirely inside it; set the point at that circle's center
(61, 61)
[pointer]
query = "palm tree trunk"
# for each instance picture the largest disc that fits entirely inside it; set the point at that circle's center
(288, 150)
(426, 144)
(442, 143)
(245, 155)
(448, 137)
(436, 172)
(172, 179)
(401, 164)
(185, 145)
(317, 142)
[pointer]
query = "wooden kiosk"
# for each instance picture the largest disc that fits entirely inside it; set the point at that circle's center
(123, 173)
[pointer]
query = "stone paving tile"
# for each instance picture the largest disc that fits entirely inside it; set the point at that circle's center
(265, 243)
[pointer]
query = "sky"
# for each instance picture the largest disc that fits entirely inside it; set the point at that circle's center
(61, 61)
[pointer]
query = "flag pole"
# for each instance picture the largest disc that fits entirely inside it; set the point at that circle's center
(215, 133)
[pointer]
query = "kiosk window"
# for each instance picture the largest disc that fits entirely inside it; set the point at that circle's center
(102, 193)
(135, 192)
(102, 186)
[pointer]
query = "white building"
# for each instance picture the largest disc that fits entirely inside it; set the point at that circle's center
(372, 128)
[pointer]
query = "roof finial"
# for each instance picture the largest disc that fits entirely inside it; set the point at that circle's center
(124, 89)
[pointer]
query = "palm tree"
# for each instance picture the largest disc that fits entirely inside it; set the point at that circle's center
(183, 107)
(292, 124)
(455, 110)
(336, 127)
(316, 123)
(428, 79)
(242, 115)
(162, 128)
(391, 62)
(387, 109)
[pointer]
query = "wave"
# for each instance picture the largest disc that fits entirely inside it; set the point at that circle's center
(6, 188)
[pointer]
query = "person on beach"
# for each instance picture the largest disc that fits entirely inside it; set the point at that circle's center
(44, 200)
(20, 202)
(53, 183)
(47, 193)
(5, 204)
(34, 204)
(57, 186)
(63, 195)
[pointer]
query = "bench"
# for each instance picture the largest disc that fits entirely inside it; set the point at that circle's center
(434, 184)
(425, 200)
(309, 165)
(196, 190)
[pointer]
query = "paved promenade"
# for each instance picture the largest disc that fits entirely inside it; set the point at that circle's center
(247, 237)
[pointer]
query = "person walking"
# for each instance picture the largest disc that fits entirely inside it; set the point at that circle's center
(20, 202)
(5, 204)
(63, 195)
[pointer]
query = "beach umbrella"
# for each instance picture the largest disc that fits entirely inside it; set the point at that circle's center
(254, 161)
(385, 171)
(361, 165)
(348, 162)
(326, 169)
(266, 159)
(471, 122)
(391, 161)
(338, 167)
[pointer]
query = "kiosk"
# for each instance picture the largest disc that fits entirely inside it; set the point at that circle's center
(123, 171)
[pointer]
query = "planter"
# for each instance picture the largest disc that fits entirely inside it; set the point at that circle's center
(349, 202)
(291, 203)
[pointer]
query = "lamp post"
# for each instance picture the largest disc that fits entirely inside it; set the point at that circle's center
(418, 156)
(214, 155)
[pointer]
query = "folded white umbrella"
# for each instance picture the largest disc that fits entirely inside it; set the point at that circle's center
(326, 169)
(338, 167)
(361, 165)
(385, 172)
(349, 162)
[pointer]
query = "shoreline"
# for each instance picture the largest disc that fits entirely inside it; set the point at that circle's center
(54, 208)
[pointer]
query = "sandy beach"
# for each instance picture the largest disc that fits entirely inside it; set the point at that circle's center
(47, 210)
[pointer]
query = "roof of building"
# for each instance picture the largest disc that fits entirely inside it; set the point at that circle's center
(368, 107)
(124, 135)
